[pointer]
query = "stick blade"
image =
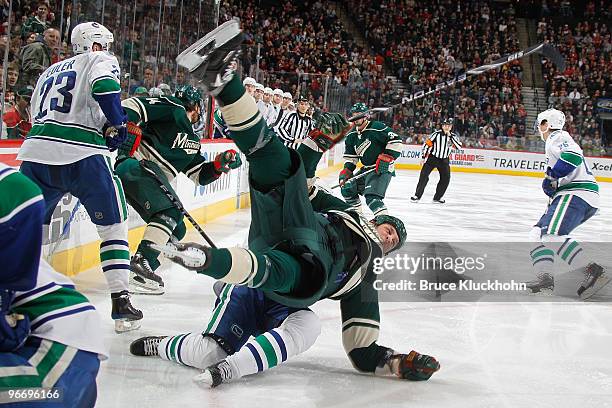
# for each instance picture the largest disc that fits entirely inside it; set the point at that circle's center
(552, 53)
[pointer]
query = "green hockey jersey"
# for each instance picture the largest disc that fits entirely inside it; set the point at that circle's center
(168, 138)
(366, 145)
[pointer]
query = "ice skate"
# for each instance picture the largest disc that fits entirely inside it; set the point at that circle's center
(143, 280)
(543, 283)
(595, 279)
(189, 255)
(126, 317)
(438, 201)
(146, 346)
(415, 199)
(210, 59)
(215, 374)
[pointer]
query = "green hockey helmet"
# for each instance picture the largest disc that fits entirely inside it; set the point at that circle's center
(189, 95)
(398, 224)
(359, 107)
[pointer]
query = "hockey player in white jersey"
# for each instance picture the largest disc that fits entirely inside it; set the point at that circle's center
(50, 335)
(574, 198)
(77, 121)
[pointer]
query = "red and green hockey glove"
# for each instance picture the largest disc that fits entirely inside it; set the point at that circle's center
(412, 366)
(385, 164)
(226, 161)
(132, 141)
(330, 129)
(345, 175)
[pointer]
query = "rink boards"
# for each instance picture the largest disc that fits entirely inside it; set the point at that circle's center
(76, 248)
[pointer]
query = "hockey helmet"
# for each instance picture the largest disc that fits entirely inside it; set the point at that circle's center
(398, 224)
(85, 35)
(359, 107)
(555, 119)
(188, 95)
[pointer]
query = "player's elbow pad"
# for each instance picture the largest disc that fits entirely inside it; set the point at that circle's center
(562, 169)
(111, 106)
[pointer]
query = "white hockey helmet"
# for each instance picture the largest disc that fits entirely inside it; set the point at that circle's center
(287, 95)
(278, 92)
(249, 81)
(259, 87)
(555, 119)
(268, 90)
(85, 35)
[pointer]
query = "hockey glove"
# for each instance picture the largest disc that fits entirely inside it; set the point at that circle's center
(226, 161)
(115, 136)
(330, 129)
(385, 164)
(550, 183)
(132, 141)
(345, 175)
(412, 366)
(14, 328)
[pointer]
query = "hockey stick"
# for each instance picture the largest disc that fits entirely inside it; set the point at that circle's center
(177, 203)
(546, 49)
(64, 230)
(360, 175)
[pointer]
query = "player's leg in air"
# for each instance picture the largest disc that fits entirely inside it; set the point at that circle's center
(554, 242)
(224, 351)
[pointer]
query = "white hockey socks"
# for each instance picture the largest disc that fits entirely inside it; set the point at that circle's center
(294, 336)
(115, 255)
(191, 349)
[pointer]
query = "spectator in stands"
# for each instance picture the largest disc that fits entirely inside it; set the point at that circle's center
(17, 118)
(39, 22)
(36, 57)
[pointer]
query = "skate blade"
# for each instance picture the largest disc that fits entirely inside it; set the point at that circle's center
(599, 284)
(124, 325)
(197, 54)
(147, 288)
(192, 258)
(204, 379)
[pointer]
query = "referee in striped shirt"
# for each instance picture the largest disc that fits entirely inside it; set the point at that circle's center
(436, 150)
(295, 125)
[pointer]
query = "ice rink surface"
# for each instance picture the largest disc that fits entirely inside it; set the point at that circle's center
(491, 354)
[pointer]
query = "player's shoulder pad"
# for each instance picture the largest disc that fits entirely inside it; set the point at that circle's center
(102, 56)
(378, 125)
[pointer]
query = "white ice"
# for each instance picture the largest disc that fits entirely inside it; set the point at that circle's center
(491, 354)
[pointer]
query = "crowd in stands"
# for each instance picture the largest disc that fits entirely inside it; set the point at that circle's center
(582, 35)
(426, 44)
(304, 48)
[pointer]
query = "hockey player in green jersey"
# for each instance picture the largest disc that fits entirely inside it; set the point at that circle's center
(303, 246)
(377, 147)
(161, 139)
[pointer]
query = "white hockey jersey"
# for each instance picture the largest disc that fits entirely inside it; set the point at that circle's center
(580, 182)
(58, 312)
(272, 114)
(67, 120)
